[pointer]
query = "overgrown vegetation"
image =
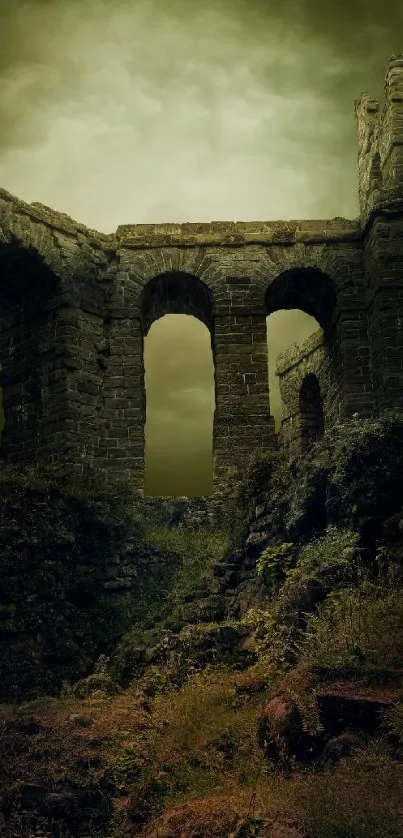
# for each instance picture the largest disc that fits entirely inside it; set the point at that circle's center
(360, 626)
(359, 798)
(197, 550)
(176, 751)
(273, 564)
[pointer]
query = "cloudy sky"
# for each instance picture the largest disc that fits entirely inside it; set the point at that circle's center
(177, 110)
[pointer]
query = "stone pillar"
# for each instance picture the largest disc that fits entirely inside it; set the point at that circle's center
(107, 401)
(242, 420)
(352, 374)
(391, 132)
(369, 170)
(384, 257)
(34, 378)
(123, 408)
(384, 252)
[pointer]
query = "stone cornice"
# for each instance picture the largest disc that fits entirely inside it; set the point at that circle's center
(237, 233)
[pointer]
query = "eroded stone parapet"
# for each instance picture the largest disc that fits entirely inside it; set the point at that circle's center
(236, 233)
(53, 218)
(292, 356)
(391, 140)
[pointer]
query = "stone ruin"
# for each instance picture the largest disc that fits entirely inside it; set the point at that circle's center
(76, 306)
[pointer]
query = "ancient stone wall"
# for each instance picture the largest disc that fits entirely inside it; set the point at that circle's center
(75, 306)
(294, 368)
(380, 135)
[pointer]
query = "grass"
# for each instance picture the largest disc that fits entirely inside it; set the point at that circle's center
(198, 551)
(360, 625)
(359, 798)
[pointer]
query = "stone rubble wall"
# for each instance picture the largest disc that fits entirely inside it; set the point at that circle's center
(189, 513)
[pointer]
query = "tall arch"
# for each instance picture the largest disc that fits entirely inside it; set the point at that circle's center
(176, 292)
(165, 296)
(308, 289)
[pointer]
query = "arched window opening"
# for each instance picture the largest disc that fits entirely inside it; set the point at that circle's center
(286, 330)
(179, 385)
(376, 171)
(301, 305)
(311, 412)
(307, 289)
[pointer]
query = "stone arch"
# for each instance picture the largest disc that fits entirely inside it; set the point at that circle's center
(310, 411)
(176, 292)
(144, 274)
(31, 228)
(314, 292)
(305, 288)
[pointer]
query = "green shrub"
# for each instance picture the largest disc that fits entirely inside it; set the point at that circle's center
(197, 552)
(330, 559)
(257, 477)
(277, 630)
(392, 721)
(274, 562)
(356, 625)
(275, 639)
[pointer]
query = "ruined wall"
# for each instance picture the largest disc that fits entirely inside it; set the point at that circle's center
(183, 512)
(110, 290)
(293, 367)
(34, 383)
(75, 306)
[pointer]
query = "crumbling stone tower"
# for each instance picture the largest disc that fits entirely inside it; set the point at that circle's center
(76, 305)
(379, 301)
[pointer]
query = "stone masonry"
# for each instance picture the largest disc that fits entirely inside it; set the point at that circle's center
(77, 304)
(297, 367)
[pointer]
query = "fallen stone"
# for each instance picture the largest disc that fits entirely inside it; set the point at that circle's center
(348, 715)
(281, 733)
(95, 683)
(80, 721)
(340, 747)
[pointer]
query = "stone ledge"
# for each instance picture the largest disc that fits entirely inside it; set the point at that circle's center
(237, 233)
(192, 234)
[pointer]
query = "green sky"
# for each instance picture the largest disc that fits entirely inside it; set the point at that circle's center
(176, 110)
